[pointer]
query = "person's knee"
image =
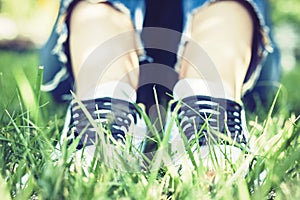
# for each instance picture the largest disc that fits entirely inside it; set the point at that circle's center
(234, 9)
(84, 12)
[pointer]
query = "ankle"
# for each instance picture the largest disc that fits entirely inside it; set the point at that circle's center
(191, 86)
(113, 89)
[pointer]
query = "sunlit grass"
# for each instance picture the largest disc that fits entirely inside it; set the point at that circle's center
(32, 166)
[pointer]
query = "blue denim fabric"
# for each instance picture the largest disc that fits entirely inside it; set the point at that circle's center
(58, 77)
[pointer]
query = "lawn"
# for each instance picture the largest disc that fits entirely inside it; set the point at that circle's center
(34, 165)
(32, 168)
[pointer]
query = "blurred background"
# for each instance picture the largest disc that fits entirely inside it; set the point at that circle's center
(27, 20)
(25, 26)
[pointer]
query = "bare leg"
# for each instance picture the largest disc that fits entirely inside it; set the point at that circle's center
(90, 26)
(224, 30)
(218, 53)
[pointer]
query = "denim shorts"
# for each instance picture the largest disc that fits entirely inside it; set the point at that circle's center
(55, 57)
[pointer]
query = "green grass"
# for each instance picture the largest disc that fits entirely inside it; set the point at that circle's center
(291, 81)
(30, 128)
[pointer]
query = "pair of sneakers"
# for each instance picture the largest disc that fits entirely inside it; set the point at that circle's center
(202, 128)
